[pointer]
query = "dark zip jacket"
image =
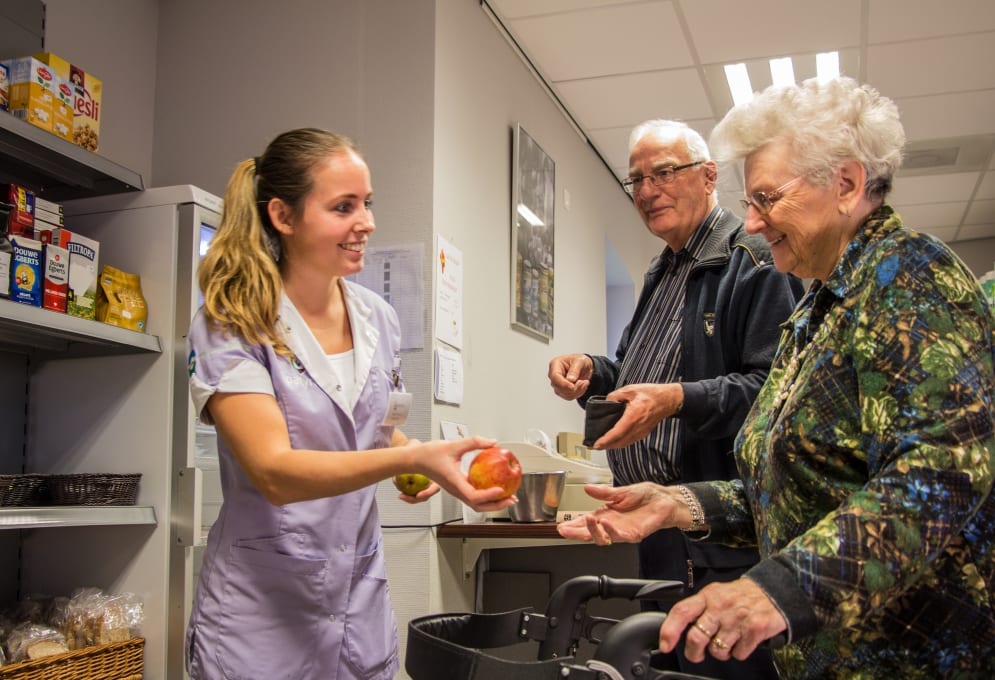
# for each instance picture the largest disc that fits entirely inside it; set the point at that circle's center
(735, 303)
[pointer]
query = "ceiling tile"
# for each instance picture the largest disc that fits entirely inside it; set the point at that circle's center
(890, 20)
(981, 212)
(732, 30)
(584, 49)
(614, 63)
(969, 232)
(950, 115)
(943, 233)
(933, 188)
(624, 101)
(614, 145)
(511, 9)
(987, 187)
(929, 216)
(923, 67)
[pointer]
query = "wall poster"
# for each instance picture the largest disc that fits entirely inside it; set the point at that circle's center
(532, 221)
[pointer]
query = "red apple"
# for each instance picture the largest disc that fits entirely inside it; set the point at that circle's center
(496, 467)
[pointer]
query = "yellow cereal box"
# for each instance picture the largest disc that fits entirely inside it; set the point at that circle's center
(87, 96)
(32, 96)
(62, 111)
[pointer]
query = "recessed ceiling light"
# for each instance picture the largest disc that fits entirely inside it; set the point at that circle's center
(739, 83)
(782, 71)
(827, 66)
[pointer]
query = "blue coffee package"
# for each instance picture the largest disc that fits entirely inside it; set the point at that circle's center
(26, 271)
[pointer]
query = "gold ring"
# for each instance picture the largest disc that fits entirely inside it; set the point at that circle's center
(609, 541)
(703, 630)
(718, 643)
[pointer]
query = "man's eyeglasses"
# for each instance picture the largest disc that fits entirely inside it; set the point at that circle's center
(659, 177)
(763, 201)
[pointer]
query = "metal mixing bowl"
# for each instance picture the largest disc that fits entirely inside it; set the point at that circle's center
(538, 497)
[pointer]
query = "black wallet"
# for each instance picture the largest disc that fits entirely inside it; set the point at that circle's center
(600, 415)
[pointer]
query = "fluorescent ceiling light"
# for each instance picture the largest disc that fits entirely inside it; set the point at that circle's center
(529, 216)
(739, 83)
(782, 72)
(827, 66)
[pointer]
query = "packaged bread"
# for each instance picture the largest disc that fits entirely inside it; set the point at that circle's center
(119, 299)
(94, 617)
(29, 641)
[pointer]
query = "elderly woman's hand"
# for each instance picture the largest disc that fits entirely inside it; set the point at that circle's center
(729, 620)
(630, 514)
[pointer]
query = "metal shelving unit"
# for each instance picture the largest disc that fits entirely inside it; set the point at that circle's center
(55, 168)
(33, 330)
(75, 516)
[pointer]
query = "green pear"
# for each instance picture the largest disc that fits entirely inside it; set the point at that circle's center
(410, 483)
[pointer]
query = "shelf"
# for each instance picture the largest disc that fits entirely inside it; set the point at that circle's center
(58, 170)
(475, 538)
(33, 330)
(75, 516)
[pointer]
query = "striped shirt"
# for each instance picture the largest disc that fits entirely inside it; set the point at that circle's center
(655, 356)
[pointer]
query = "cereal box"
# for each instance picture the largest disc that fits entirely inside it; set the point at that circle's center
(62, 111)
(55, 286)
(87, 96)
(81, 297)
(4, 88)
(32, 96)
(22, 214)
(26, 275)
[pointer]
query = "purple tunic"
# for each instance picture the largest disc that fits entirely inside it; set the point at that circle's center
(298, 591)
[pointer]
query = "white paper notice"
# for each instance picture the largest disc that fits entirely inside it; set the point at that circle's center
(452, 431)
(448, 376)
(449, 293)
(395, 274)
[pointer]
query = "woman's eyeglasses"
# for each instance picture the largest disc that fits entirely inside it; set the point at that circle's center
(763, 201)
(659, 177)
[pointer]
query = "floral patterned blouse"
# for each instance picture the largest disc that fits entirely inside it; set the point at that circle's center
(868, 461)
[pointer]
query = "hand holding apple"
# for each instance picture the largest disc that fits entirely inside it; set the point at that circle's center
(496, 466)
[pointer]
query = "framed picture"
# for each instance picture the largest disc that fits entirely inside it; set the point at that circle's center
(532, 226)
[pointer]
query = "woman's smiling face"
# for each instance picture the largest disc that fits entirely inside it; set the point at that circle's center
(337, 217)
(804, 226)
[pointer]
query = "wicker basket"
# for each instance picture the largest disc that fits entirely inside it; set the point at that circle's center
(93, 489)
(113, 661)
(21, 490)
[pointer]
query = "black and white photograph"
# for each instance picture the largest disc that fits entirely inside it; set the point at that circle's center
(533, 198)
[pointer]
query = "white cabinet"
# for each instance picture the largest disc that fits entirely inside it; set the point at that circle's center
(80, 396)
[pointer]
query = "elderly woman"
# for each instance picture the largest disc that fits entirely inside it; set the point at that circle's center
(868, 458)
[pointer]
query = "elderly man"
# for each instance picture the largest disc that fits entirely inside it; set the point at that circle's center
(692, 359)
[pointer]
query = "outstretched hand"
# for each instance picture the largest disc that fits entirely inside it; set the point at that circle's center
(630, 514)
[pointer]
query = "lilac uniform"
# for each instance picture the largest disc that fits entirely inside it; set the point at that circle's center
(298, 591)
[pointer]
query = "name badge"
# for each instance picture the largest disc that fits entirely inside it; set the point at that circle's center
(398, 407)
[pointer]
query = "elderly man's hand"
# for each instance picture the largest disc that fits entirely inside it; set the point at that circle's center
(646, 404)
(570, 375)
